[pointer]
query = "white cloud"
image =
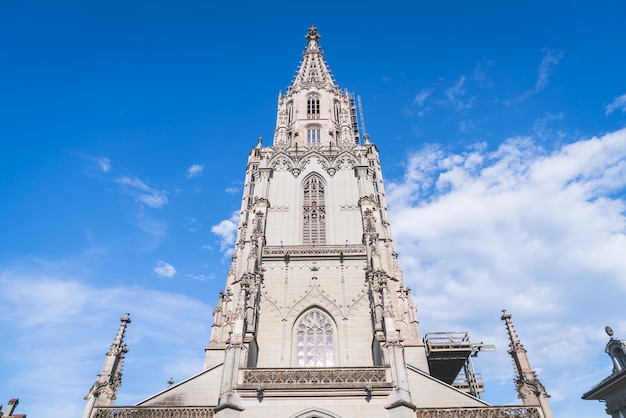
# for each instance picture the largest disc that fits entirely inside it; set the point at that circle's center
(51, 314)
(421, 97)
(200, 277)
(104, 163)
(232, 190)
(540, 233)
(550, 60)
(455, 96)
(163, 269)
(481, 76)
(541, 129)
(194, 170)
(143, 193)
(618, 104)
(227, 231)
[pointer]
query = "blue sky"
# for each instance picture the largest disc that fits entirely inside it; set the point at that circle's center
(124, 131)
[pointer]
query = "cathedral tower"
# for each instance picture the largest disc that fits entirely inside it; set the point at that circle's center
(314, 319)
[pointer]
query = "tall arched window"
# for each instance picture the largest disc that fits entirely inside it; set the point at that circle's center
(313, 107)
(314, 212)
(314, 340)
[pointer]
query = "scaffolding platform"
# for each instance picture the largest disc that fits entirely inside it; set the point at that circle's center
(449, 359)
(447, 353)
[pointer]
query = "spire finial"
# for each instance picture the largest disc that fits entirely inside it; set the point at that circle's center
(312, 37)
(609, 331)
(506, 317)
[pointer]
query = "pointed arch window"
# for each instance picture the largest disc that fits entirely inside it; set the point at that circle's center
(314, 212)
(314, 340)
(313, 104)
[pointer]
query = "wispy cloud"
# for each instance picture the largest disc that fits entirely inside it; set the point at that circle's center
(539, 232)
(480, 75)
(455, 96)
(421, 97)
(200, 277)
(194, 170)
(227, 231)
(104, 163)
(550, 60)
(233, 190)
(541, 127)
(77, 322)
(143, 193)
(163, 269)
(619, 103)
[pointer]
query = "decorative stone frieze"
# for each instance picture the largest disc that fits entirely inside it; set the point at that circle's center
(491, 412)
(154, 412)
(349, 207)
(314, 250)
(311, 376)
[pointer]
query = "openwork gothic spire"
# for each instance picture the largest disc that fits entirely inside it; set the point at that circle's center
(104, 390)
(313, 71)
(314, 112)
(529, 388)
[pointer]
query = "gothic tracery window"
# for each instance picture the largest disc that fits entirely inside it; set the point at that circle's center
(314, 212)
(314, 340)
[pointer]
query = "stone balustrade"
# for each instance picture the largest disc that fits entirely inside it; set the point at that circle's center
(485, 412)
(153, 412)
(322, 375)
(313, 250)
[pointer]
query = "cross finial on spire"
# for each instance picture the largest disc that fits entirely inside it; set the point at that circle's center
(312, 37)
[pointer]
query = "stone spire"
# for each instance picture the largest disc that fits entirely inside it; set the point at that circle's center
(104, 390)
(529, 388)
(313, 71)
(314, 112)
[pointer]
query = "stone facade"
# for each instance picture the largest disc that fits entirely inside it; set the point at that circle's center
(612, 390)
(314, 319)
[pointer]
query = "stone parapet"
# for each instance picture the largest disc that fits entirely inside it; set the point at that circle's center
(308, 376)
(487, 412)
(153, 412)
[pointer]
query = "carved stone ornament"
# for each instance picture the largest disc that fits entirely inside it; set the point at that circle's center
(346, 162)
(304, 250)
(281, 163)
(154, 412)
(326, 375)
(470, 412)
(348, 207)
